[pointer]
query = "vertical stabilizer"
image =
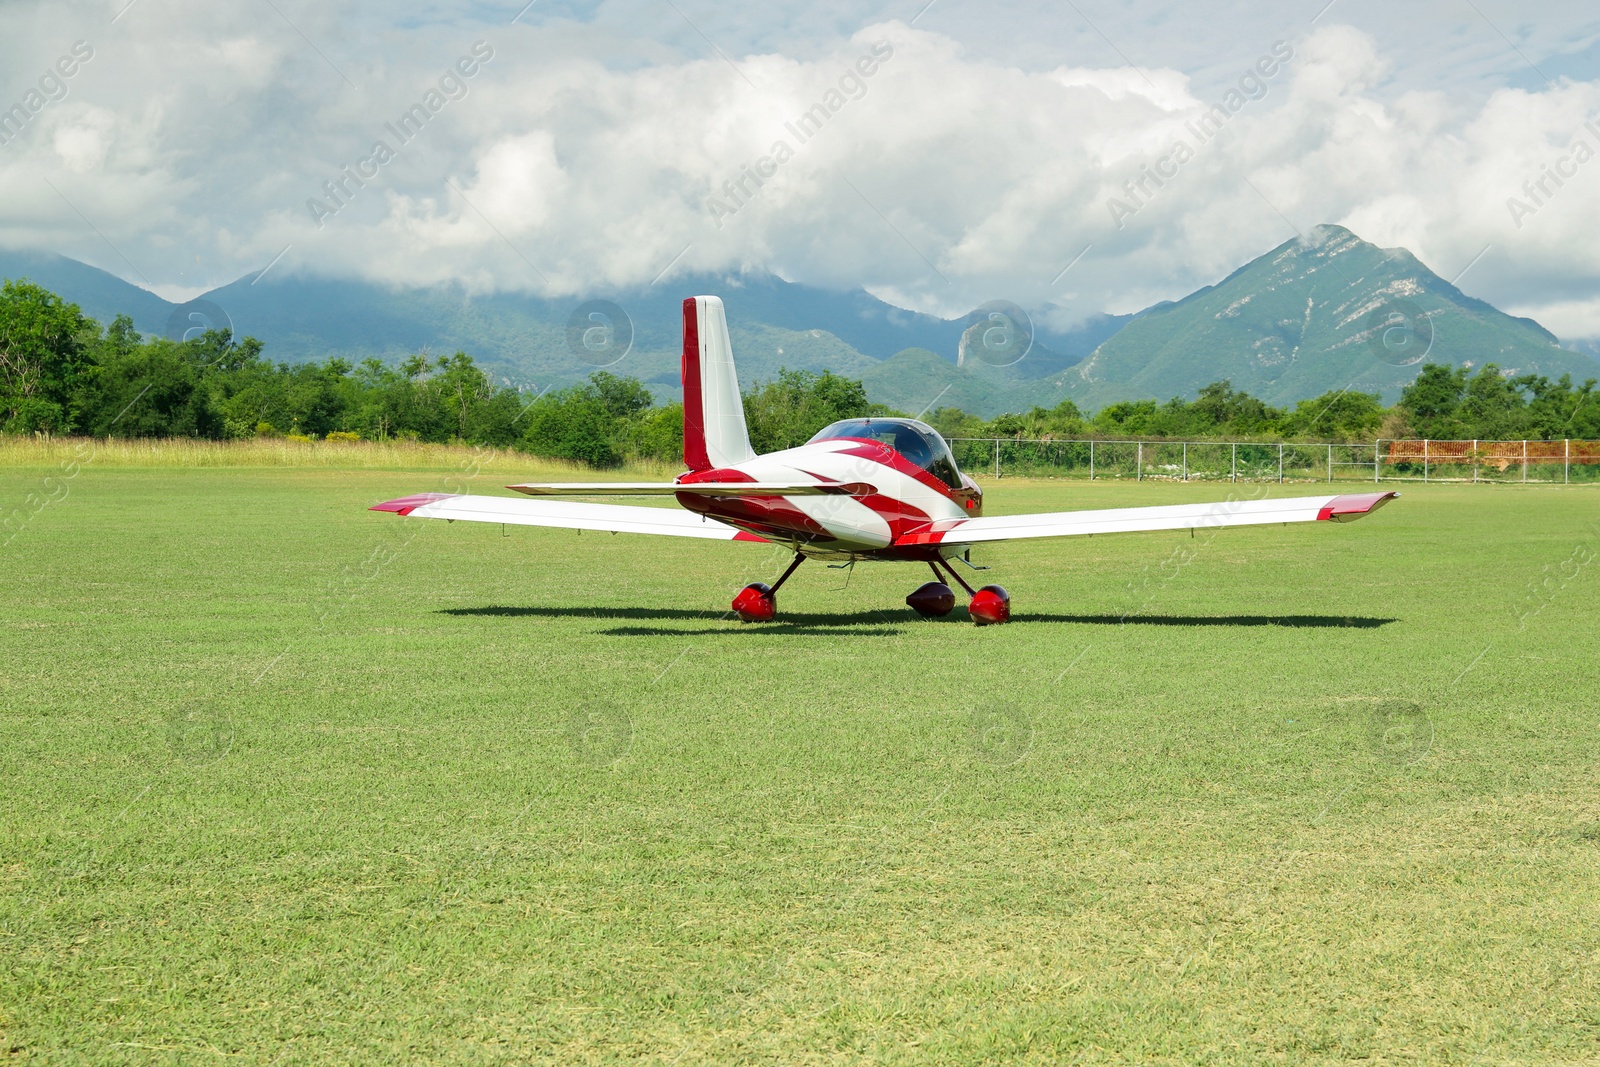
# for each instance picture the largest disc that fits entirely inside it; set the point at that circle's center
(714, 433)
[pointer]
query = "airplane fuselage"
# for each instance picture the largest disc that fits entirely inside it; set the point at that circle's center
(908, 498)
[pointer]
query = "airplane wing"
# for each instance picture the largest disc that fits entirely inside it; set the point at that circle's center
(698, 488)
(565, 514)
(1343, 508)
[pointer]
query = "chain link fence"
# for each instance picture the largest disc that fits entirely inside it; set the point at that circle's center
(1254, 461)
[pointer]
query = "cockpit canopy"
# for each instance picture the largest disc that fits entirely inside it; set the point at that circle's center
(918, 442)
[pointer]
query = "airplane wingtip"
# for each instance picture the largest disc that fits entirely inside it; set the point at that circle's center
(407, 504)
(1352, 506)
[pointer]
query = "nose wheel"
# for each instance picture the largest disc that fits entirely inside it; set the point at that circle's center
(989, 606)
(932, 600)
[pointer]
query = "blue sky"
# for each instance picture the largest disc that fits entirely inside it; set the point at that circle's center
(985, 157)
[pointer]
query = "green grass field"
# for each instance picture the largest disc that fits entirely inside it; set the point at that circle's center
(287, 781)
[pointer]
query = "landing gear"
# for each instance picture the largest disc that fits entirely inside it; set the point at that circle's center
(989, 606)
(932, 600)
(758, 601)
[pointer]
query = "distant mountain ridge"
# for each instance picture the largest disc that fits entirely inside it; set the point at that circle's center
(526, 340)
(1332, 312)
(1307, 317)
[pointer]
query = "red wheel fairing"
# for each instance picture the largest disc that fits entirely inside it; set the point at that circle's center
(756, 603)
(990, 605)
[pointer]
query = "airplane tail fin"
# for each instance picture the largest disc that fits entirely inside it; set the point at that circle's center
(714, 433)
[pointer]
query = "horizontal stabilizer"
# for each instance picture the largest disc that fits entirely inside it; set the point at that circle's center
(698, 488)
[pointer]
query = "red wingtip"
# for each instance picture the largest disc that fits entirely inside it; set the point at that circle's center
(1352, 506)
(406, 504)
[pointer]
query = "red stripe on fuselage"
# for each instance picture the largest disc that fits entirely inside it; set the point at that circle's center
(878, 452)
(777, 517)
(900, 516)
(765, 514)
(695, 456)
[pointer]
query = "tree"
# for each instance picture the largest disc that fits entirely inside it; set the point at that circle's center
(1135, 418)
(789, 411)
(623, 398)
(656, 434)
(1336, 416)
(1493, 407)
(1221, 408)
(572, 423)
(1433, 400)
(44, 357)
(153, 391)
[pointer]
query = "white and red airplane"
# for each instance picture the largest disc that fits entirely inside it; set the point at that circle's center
(861, 489)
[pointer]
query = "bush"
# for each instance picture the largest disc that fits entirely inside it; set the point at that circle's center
(341, 435)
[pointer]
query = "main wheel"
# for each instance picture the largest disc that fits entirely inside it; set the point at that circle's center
(756, 602)
(932, 600)
(990, 605)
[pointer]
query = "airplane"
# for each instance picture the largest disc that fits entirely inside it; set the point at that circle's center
(874, 488)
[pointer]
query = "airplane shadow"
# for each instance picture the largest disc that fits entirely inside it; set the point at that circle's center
(1358, 622)
(890, 621)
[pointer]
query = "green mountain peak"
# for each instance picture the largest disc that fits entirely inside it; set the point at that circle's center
(1324, 312)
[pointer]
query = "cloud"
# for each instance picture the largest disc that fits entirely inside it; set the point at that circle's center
(584, 157)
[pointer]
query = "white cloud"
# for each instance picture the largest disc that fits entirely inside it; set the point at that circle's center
(585, 156)
(82, 144)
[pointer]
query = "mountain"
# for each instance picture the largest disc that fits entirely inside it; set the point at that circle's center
(102, 295)
(1311, 316)
(1330, 313)
(774, 324)
(533, 341)
(919, 381)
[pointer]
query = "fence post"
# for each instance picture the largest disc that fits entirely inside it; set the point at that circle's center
(997, 457)
(1377, 450)
(1138, 462)
(1330, 463)
(1091, 459)
(1474, 461)
(1524, 461)
(1186, 461)
(1233, 470)
(1280, 464)
(1424, 459)
(1566, 461)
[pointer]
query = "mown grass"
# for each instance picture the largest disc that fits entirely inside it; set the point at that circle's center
(289, 781)
(183, 453)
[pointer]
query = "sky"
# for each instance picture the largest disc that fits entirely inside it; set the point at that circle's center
(1076, 158)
